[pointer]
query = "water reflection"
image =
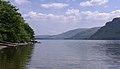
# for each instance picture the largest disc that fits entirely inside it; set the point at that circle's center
(112, 50)
(81, 54)
(15, 58)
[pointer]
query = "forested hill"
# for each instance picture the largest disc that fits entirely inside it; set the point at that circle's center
(13, 27)
(111, 31)
(85, 34)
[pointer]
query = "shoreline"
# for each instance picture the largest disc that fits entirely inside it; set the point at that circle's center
(2, 47)
(13, 44)
(10, 44)
(5, 45)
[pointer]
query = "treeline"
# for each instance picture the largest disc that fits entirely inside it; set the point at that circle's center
(13, 27)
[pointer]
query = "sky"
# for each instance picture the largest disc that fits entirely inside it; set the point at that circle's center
(50, 17)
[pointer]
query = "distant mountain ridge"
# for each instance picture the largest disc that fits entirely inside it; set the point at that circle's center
(111, 31)
(82, 33)
(67, 34)
(85, 34)
(42, 36)
(64, 35)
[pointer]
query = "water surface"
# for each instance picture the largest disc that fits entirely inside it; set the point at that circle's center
(63, 54)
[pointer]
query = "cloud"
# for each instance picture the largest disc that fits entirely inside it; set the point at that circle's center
(46, 17)
(73, 12)
(21, 1)
(54, 5)
(73, 16)
(93, 3)
(71, 19)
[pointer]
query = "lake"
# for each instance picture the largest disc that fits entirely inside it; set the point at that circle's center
(63, 54)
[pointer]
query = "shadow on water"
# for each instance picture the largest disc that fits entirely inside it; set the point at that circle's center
(15, 58)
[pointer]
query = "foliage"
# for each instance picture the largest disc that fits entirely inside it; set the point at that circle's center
(12, 25)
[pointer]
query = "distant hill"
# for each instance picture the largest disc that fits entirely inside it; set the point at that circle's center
(68, 34)
(64, 35)
(42, 36)
(111, 31)
(85, 34)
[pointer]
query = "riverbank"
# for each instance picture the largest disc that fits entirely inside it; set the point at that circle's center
(4, 44)
(1, 47)
(9, 44)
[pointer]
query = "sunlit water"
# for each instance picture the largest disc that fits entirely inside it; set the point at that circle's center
(63, 54)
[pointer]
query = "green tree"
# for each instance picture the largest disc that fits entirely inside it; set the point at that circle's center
(12, 25)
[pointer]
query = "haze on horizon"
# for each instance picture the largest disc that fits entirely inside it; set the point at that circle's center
(49, 17)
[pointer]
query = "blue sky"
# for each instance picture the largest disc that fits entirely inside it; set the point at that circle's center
(48, 17)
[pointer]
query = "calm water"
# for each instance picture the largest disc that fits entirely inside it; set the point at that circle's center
(63, 54)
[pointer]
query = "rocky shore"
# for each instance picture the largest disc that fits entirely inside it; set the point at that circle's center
(9, 44)
(1, 47)
(4, 44)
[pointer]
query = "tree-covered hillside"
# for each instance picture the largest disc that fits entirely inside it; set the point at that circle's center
(13, 27)
(85, 34)
(111, 31)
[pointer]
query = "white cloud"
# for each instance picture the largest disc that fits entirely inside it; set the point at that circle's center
(74, 16)
(22, 1)
(46, 17)
(73, 12)
(54, 5)
(93, 2)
